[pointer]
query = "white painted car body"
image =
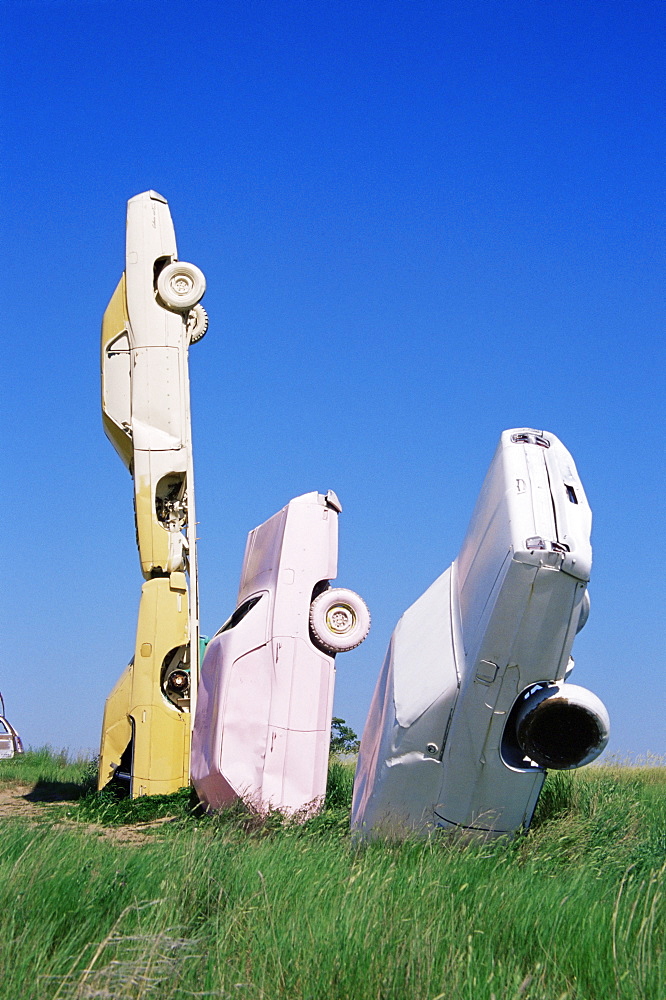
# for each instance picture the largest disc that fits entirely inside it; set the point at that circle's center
(145, 390)
(263, 722)
(471, 704)
(10, 741)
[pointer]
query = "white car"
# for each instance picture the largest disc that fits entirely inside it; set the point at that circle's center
(263, 722)
(472, 703)
(10, 741)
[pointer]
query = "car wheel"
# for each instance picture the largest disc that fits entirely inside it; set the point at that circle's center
(197, 324)
(339, 620)
(180, 286)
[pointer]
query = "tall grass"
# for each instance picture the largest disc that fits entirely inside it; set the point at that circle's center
(229, 907)
(49, 767)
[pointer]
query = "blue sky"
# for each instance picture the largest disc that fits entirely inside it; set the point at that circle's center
(421, 223)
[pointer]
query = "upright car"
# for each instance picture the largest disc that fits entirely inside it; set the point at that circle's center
(473, 704)
(263, 721)
(152, 318)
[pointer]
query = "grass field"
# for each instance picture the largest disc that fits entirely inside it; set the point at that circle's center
(148, 899)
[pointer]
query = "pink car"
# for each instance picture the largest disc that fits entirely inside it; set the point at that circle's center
(263, 719)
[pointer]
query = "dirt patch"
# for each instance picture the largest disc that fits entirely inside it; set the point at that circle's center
(13, 802)
(20, 801)
(136, 833)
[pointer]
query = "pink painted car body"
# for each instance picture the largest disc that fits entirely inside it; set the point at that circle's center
(263, 720)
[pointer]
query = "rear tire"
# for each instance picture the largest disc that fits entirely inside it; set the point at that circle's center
(339, 620)
(197, 324)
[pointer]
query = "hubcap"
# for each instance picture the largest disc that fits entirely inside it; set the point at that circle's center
(181, 284)
(340, 619)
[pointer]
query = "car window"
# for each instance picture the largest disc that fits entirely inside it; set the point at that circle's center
(239, 613)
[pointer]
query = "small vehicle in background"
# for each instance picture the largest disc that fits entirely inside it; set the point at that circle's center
(262, 728)
(10, 741)
(473, 702)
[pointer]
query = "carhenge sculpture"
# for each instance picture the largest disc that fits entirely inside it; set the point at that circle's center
(263, 722)
(151, 320)
(473, 702)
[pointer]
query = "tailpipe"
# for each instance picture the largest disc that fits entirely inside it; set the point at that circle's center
(562, 726)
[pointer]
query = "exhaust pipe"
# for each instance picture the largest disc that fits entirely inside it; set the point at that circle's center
(562, 726)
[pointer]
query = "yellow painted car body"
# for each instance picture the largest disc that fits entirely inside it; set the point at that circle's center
(137, 713)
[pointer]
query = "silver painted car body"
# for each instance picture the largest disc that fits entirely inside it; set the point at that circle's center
(439, 747)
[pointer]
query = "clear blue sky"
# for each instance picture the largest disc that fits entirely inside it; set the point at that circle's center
(421, 223)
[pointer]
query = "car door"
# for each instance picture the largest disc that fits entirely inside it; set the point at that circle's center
(6, 741)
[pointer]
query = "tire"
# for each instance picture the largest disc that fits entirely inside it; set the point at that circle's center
(180, 286)
(339, 620)
(197, 324)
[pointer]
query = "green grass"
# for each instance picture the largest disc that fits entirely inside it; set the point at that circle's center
(49, 767)
(229, 906)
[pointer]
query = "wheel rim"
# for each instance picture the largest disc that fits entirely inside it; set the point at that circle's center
(181, 284)
(340, 619)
